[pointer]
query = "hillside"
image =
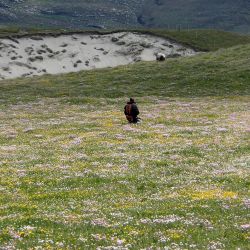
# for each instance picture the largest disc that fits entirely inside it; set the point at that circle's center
(205, 40)
(75, 175)
(224, 72)
(227, 15)
(49, 54)
(38, 52)
(73, 14)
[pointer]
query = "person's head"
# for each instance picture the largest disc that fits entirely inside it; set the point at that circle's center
(132, 100)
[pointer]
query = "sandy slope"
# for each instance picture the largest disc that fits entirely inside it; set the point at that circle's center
(39, 55)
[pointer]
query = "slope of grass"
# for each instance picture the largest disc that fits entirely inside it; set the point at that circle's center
(225, 72)
(75, 175)
(206, 40)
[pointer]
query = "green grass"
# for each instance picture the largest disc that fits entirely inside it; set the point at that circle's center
(206, 40)
(75, 175)
(223, 73)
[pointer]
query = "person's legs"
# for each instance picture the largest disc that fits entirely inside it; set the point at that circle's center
(129, 118)
(135, 119)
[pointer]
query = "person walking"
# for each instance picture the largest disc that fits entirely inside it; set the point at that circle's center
(131, 111)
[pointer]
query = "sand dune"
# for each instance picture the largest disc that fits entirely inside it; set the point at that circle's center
(38, 55)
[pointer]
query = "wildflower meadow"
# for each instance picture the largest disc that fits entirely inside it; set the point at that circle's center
(75, 175)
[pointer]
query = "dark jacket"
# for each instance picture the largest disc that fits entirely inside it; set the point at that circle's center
(131, 109)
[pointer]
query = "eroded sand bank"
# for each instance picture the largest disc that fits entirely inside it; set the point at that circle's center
(38, 55)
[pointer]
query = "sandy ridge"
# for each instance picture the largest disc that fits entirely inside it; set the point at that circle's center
(55, 54)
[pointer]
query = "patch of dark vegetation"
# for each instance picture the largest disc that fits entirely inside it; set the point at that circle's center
(21, 64)
(29, 50)
(64, 45)
(13, 39)
(26, 74)
(5, 68)
(13, 46)
(174, 55)
(40, 51)
(96, 58)
(114, 39)
(36, 38)
(73, 55)
(49, 50)
(121, 43)
(101, 49)
(167, 45)
(137, 59)
(36, 58)
(146, 45)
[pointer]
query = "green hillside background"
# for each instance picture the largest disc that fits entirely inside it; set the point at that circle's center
(180, 14)
(75, 175)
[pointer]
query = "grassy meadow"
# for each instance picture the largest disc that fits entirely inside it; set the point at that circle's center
(75, 175)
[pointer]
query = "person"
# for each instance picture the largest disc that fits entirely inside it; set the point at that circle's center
(131, 111)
